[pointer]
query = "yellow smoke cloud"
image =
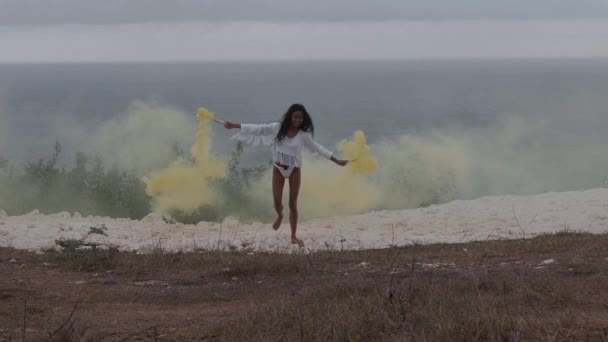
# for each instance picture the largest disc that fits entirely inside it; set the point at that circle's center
(184, 185)
(363, 163)
(330, 190)
(204, 114)
(326, 189)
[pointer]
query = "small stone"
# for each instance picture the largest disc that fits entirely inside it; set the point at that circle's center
(80, 282)
(548, 261)
(151, 283)
(12, 260)
(33, 213)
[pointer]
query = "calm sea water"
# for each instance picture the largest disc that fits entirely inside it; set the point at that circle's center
(385, 99)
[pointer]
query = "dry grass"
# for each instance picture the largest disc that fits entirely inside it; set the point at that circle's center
(467, 292)
(481, 291)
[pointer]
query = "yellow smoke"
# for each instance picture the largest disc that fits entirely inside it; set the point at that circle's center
(204, 114)
(184, 184)
(326, 189)
(329, 190)
(363, 163)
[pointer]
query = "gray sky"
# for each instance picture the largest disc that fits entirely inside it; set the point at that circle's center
(194, 30)
(45, 12)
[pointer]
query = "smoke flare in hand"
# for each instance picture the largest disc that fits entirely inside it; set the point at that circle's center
(362, 162)
(184, 185)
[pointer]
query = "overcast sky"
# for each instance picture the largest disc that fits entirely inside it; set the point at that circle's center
(35, 12)
(161, 30)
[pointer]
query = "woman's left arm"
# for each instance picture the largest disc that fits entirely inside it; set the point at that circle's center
(315, 147)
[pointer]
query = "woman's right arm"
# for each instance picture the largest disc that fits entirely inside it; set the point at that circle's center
(231, 125)
(252, 129)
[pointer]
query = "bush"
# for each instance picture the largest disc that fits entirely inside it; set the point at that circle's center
(89, 256)
(91, 188)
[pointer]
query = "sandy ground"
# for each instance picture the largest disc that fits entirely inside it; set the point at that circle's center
(457, 221)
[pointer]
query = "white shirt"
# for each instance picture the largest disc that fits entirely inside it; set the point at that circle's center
(289, 150)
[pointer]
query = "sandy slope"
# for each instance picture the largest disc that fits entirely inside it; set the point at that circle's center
(457, 221)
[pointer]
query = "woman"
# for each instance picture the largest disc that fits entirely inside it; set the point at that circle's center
(294, 132)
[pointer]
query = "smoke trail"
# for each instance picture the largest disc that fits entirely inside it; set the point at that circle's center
(359, 153)
(337, 191)
(145, 138)
(184, 185)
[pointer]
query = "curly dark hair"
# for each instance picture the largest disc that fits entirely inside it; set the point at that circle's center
(307, 125)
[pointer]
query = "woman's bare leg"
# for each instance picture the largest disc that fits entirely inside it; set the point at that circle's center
(278, 181)
(294, 189)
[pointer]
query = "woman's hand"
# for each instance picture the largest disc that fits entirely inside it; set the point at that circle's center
(230, 125)
(341, 162)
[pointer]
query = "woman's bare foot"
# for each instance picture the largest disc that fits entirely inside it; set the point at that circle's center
(297, 241)
(277, 222)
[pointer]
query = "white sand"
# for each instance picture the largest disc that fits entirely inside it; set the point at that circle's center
(457, 221)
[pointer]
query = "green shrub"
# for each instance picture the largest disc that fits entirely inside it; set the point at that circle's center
(91, 188)
(89, 256)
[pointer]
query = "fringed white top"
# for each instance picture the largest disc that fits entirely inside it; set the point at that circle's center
(288, 152)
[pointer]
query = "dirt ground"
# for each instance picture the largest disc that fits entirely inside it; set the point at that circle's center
(549, 288)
